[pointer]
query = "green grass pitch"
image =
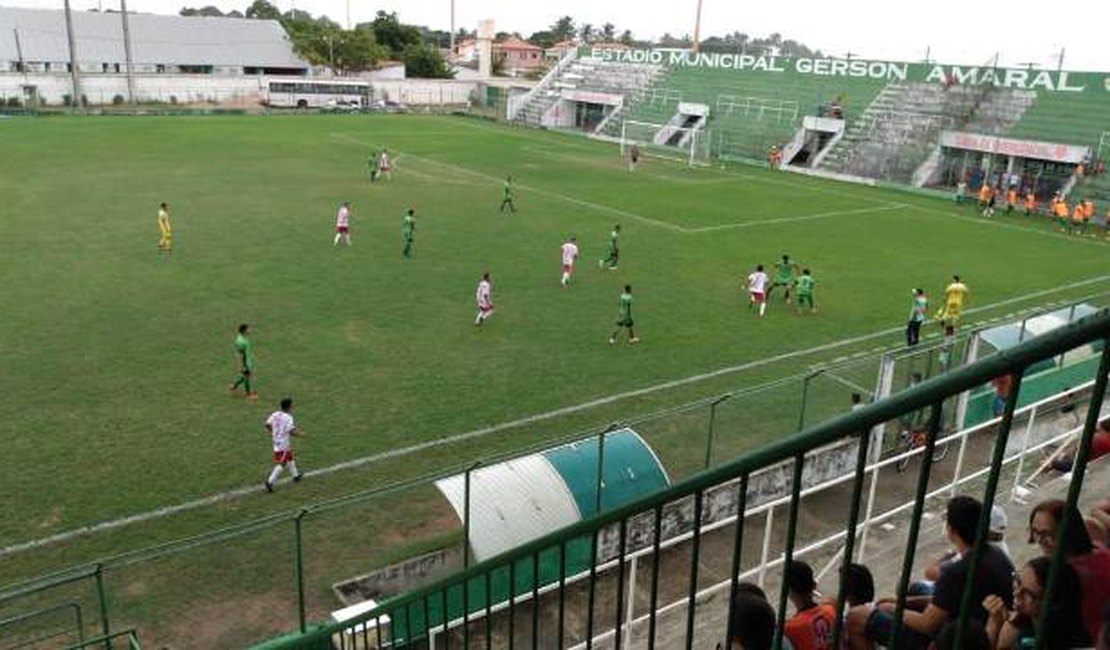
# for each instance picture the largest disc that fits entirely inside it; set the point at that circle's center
(116, 358)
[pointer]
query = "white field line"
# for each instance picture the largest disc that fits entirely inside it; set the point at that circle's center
(638, 217)
(804, 217)
(539, 417)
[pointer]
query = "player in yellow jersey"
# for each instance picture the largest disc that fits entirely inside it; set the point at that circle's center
(954, 296)
(165, 240)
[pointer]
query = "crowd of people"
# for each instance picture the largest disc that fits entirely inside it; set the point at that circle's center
(1008, 609)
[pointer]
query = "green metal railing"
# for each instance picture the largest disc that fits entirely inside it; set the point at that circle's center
(423, 617)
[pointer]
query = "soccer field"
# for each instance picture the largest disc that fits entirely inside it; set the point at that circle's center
(117, 358)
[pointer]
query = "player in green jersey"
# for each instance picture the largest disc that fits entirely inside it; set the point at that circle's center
(408, 228)
(803, 288)
(245, 351)
(613, 252)
(784, 276)
(372, 164)
(624, 317)
(508, 194)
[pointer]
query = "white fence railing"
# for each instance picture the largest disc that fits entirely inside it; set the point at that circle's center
(515, 104)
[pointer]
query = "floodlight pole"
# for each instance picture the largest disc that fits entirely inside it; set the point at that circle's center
(73, 74)
(452, 26)
(697, 28)
(127, 52)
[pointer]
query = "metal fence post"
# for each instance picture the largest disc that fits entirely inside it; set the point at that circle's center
(466, 513)
(805, 397)
(1024, 449)
(850, 534)
(983, 526)
(299, 568)
(709, 438)
(105, 627)
(1079, 469)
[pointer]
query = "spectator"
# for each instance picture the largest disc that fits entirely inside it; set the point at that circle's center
(752, 625)
(1090, 563)
(974, 637)
(812, 626)
(995, 537)
(1064, 626)
(859, 594)
(1064, 459)
(993, 576)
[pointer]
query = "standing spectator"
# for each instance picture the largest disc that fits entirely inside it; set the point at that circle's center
(1090, 563)
(918, 309)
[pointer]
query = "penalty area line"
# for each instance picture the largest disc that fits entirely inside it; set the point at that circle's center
(539, 417)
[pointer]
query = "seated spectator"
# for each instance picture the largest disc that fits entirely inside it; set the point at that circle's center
(974, 637)
(992, 577)
(995, 537)
(812, 626)
(1064, 626)
(1064, 459)
(1091, 564)
(859, 596)
(752, 625)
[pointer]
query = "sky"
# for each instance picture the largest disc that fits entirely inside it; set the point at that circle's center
(949, 31)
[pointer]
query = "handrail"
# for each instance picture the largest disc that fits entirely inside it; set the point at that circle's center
(928, 393)
(517, 103)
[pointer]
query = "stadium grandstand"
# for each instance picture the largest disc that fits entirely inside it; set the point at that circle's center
(909, 123)
(192, 55)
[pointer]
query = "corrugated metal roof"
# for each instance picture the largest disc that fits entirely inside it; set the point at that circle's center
(511, 503)
(523, 499)
(631, 470)
(155, 39)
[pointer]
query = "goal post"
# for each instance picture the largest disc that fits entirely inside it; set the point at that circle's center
(690, 145)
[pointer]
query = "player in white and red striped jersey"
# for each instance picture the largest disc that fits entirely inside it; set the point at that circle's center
(570, 254)
(483, 297)
(281, 427)
(757, 290)
(343, 224)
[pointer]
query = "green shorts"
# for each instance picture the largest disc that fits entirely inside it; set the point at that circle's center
(624, 322)
(806, 298)
(781, 283)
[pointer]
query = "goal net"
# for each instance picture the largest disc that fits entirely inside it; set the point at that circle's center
(690, 145)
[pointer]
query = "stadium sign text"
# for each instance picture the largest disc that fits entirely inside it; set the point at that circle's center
(891, 71)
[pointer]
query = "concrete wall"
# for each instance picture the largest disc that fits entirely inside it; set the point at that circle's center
(399, 578)
(239, 90)
(101, 88)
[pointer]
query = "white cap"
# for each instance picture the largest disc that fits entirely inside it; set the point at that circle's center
(998, 520)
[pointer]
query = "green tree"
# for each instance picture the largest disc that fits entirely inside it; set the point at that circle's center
(263, 10)
(586, 32)
(391, 33)
(425, 62)
(608, 32)
(544, 39)
(626, 38)
(564, 29)
(356, 50)
(208, 10)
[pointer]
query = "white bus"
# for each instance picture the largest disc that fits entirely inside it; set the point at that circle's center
(313, 93)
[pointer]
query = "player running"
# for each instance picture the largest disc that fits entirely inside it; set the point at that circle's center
(784, 276)
(919, 309)
(757, 286)
(803, 287)
(372, 165)
(281, 427)
(483, 297)
(343, 224)
(165, 238)
(408, 230)
(570, 254)
(613, 252)
(624, 317)
(384, 168)
(949, 315)
(245, 351)
(508, 193)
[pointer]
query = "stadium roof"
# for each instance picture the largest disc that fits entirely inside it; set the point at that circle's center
(167, 40)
